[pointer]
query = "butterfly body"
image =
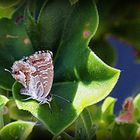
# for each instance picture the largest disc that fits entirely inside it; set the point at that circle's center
(35, 73)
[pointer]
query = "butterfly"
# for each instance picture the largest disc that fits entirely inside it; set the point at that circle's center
(36, 74)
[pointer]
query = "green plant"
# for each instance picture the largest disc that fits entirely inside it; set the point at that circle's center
(67, 28)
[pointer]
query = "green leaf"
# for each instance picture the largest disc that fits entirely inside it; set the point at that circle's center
(6, 12)
(136, 101)
(13, 46)
(7, 8)
(3, 100)
(102, 117)
(16, 114)
(95, 113)
(80, 76)
(124, 131)
(108, 109)
(85, 129)
(18, 130)
(108, 105)
(45, 30)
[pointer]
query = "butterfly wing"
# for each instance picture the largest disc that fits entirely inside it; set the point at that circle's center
(22, 71)
(43, 77)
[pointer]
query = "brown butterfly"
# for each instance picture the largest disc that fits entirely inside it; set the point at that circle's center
(35, 73)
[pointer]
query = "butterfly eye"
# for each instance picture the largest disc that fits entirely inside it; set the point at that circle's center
(16, 72)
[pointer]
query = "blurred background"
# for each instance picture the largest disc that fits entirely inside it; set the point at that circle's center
(117, 42)
(129, 82)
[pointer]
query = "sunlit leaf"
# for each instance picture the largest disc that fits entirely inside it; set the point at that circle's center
(108, 105)
(7, 8)
(18, 130)
(6, 12)
(16, 114)
(3, 100)
(136, 101)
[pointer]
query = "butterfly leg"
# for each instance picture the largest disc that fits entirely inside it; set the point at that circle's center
(50, 107)
(24, 91)
(46, 101)
(28, 98)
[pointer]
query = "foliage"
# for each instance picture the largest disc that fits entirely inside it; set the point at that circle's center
(67, 28)
(18, 130)
(100, 122)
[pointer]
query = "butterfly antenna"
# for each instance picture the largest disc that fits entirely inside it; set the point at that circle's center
(62, 98)
(27, 98)
(8, 71)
